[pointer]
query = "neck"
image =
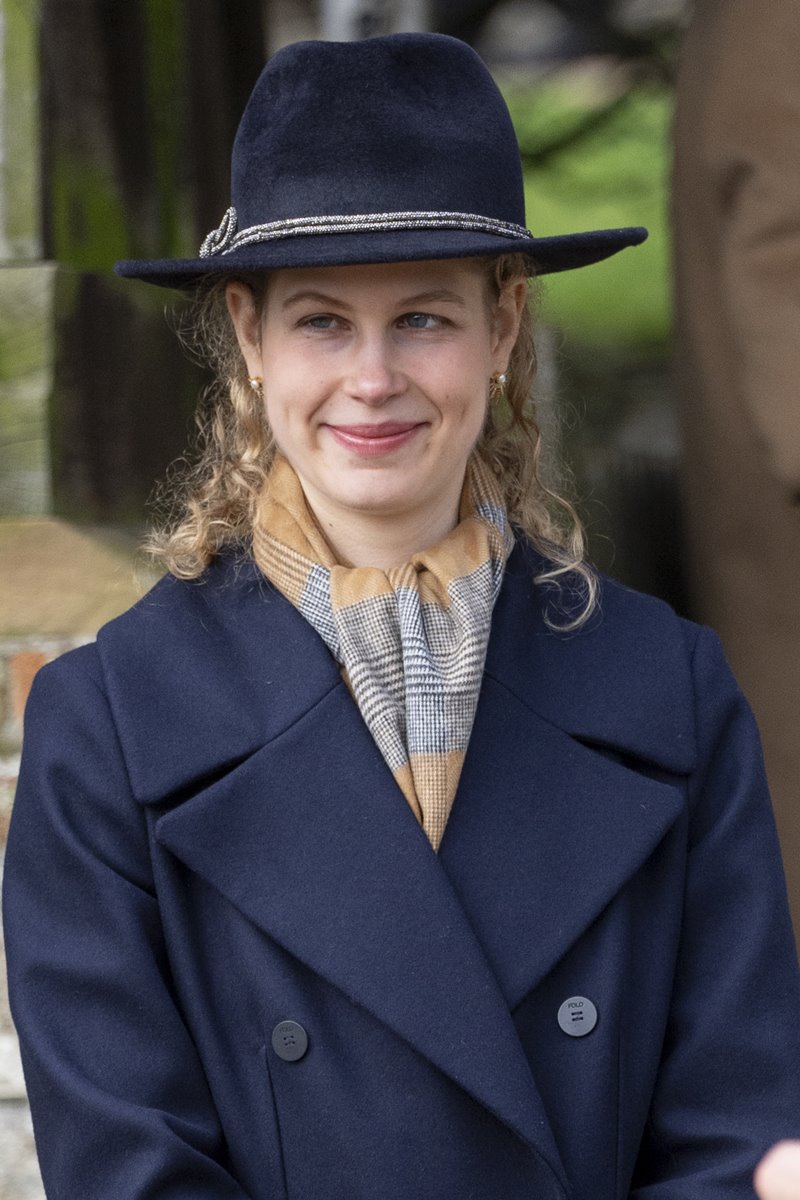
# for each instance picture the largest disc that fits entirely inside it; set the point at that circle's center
(384, 540)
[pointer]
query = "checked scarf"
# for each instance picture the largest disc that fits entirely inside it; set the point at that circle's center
(411, 640)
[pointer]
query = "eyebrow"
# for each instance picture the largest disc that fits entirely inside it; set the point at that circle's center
(436, 295)
(315, 298)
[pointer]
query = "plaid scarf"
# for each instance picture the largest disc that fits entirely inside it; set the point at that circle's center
(411, 640)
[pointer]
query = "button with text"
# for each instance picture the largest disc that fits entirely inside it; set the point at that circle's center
(577, 1016)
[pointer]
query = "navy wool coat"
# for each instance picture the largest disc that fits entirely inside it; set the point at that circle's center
(206, 843)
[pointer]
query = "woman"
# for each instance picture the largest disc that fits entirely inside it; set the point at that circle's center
(376, 852)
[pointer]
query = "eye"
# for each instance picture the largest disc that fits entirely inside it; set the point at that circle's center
(321, 321)
(420, 320)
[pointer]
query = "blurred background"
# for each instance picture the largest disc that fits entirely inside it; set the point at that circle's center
(116, 122)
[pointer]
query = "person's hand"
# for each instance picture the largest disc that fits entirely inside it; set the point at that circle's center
(777, 1176)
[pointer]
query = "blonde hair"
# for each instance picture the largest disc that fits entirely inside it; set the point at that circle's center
(211, 504)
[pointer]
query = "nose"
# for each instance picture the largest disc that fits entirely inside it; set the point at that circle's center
(373, 376)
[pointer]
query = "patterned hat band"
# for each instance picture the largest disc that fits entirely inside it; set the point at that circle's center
(226, 238)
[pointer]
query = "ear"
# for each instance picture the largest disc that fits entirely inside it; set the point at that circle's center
(506, 319)
(244, 317)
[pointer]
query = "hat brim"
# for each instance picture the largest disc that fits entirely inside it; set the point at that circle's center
(547, 255)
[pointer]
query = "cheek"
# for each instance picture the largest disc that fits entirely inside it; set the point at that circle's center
(278, 412)
(463, 374)
(291, 410)
(474, 399)
(294, 384)
(476, 418)
(282, 418)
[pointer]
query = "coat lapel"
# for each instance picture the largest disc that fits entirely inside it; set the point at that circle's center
(311, 839)
(544, 833)
(547, 826)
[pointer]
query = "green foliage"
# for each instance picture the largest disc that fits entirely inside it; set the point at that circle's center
(93, 223)
(167, 57)
(90, 228)
(614, 175)
(20, 129)
(25, 346)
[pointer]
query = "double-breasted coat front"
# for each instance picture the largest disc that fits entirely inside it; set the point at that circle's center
(207, 843)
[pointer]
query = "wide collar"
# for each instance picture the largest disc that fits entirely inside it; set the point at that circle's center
(235, 722)
(225, 663)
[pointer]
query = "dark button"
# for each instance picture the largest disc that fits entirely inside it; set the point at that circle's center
(289, 1041)
(577, 1016)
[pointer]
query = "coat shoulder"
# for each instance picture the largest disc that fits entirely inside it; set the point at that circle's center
(200, 673)
(645, 623)
(185, 604)
(625, 679)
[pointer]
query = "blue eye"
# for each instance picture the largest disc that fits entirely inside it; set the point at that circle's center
(321, 321)
(421, 321)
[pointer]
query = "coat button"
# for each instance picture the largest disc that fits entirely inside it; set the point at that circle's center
(289, 1041)
(577, 1016)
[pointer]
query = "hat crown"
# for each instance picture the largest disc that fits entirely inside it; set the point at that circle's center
(406, 123)
(394, 149)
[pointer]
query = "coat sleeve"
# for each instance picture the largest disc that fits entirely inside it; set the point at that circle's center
(729, 1080)
(120, 1103)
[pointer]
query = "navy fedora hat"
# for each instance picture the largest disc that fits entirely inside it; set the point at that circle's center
(391, 149)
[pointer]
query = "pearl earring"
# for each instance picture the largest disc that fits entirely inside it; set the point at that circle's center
(497, 385)
(257, 384)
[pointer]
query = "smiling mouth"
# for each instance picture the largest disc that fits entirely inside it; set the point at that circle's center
(375, 439)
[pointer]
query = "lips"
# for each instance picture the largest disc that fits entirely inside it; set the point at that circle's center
(374, 439)
(381, 430)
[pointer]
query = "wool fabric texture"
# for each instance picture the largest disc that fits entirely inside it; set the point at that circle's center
(411, 640)
(386, 149)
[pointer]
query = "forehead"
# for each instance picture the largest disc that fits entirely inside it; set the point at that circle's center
(377, 282)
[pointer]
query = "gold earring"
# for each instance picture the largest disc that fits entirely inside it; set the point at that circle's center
(257, 384)
(497, 384)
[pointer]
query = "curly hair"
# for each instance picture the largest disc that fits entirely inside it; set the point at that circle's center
(210, 503)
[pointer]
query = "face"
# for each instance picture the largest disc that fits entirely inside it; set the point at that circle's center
(376, 380)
